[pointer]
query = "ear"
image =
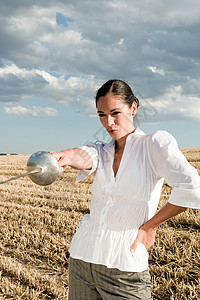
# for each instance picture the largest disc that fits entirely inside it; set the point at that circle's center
(134, 108)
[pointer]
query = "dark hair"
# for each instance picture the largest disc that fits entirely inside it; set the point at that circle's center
(117, 87)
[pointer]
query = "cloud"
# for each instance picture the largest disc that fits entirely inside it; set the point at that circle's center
(57, 53)
(31, 111)
(157, 71)
(17, 84)
(172, 105)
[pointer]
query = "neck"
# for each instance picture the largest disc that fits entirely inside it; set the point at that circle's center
(120, 143)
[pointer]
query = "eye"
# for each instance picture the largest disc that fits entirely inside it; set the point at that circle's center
(115, 113)
(101, 115)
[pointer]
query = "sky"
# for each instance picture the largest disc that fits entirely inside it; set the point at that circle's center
(55, 54)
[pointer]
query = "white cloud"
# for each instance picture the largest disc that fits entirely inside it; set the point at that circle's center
(31, 111)
(157, 71)
(172, 105)
(123, 39)
(44, 85)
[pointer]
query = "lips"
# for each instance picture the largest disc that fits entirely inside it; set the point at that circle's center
(111, 131)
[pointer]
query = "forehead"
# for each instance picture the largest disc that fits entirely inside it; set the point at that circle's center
(110, 102)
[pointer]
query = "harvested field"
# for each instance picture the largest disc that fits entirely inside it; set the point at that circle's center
(37, 224)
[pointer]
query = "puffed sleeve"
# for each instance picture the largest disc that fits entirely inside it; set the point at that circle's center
(169, 163)
(91, 149)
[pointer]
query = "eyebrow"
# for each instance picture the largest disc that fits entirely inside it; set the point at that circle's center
(99, 111)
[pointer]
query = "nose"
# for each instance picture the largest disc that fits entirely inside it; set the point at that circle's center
(110, 120)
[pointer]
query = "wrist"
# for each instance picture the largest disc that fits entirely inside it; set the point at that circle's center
(149, 225)
(68, 155)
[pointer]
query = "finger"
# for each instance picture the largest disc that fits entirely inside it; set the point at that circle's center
(61, 169)
(62, 162)
(134, 246)
(56, 155)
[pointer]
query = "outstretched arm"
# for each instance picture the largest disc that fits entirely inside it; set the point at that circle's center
(75, 158)
(146, 233)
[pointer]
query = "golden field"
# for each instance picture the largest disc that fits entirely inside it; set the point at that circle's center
(37, 224)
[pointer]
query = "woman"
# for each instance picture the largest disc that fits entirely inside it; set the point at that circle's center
(108, 254)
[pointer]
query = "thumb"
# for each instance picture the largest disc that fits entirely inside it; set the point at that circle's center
(62, 162)
(134, 245)
(61, 169)
(57, 155)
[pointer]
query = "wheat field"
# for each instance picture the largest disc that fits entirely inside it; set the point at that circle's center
(37, 224)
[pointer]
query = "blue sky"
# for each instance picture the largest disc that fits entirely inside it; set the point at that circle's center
(53, 58)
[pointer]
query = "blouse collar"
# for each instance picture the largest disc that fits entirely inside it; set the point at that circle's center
(109, 147)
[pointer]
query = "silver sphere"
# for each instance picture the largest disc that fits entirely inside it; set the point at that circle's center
(46, 167)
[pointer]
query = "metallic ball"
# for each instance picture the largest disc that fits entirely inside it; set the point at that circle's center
(46, 167)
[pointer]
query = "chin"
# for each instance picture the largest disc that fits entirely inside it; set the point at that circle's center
(116, 135)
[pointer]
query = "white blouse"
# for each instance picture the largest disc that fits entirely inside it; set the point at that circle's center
(122, 203)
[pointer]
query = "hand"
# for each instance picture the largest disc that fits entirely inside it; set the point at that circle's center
(62, 158)
(146, 236)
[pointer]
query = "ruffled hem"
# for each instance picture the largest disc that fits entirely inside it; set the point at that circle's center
(109, 248)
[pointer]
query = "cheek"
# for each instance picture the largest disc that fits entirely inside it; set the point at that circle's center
(102, 120)
(127, 117)
(121, 119)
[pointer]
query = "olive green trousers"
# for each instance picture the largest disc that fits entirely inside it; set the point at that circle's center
(96, 282)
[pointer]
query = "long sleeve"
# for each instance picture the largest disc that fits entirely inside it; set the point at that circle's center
(169, 163)
(91, 149)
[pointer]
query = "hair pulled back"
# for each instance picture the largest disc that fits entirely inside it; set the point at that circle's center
(117, 87)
